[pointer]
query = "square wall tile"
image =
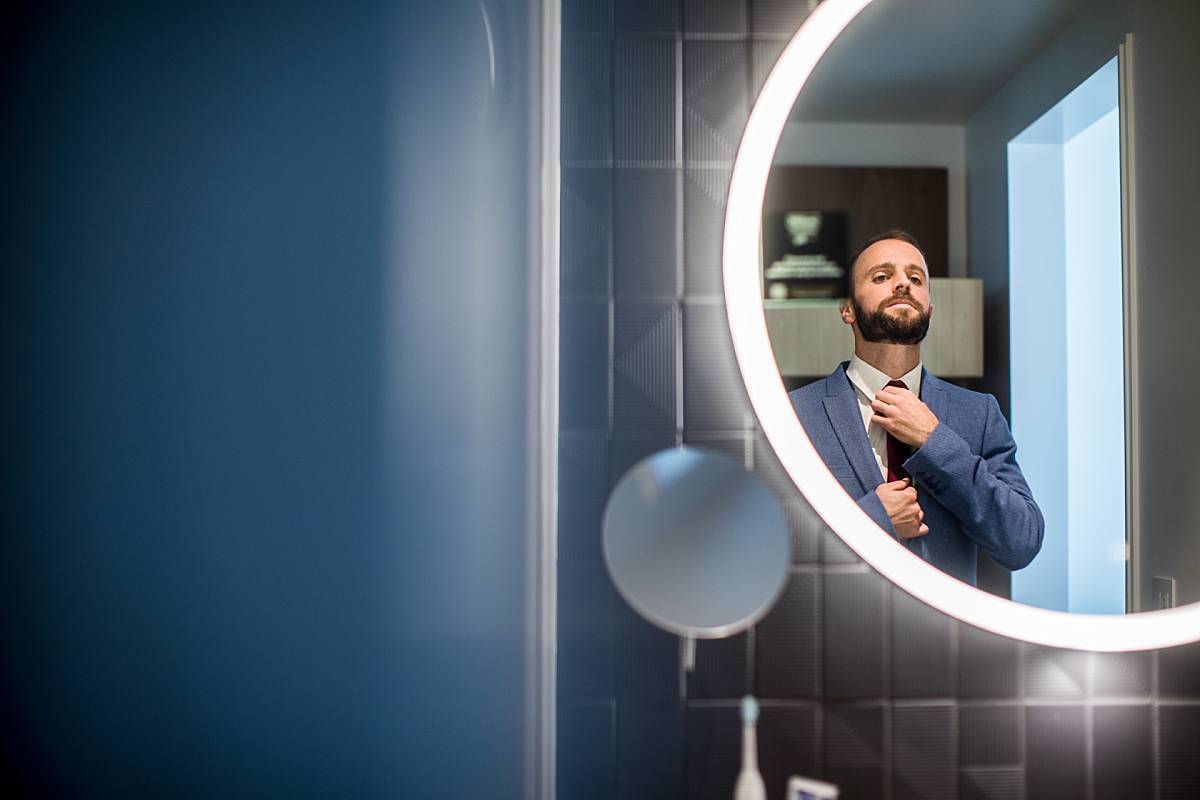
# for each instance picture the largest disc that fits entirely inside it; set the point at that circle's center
(922, 657)
(646, 115)
(584, 392)
(1055, 752)
(714, 751)
(1178, 766)
(650, 748)
(1179, 671)
(587, 16)
(788, 744)
(779, 17)
(646, 234)
(763, 55)
(982, 783)
(645, 337)
(647, 659)
(924, 752)
(587, 232)
(1050, 673)
(788, 642)
(1121, 674)
(714, 398)
(853, 749)
(715, 100)
(835, 551)
(715, 16)
(630, 448)
(1123, 758)
(587, 105)
(582, 494)
(586, 652)
(705, 190)
(646, 16)
(990, 736)
(722, 668)
(854, 627)
(586, 752)
(988, 665)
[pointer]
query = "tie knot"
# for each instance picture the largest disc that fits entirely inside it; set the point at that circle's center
(898, 384)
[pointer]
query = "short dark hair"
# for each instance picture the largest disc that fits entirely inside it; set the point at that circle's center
(899, 234)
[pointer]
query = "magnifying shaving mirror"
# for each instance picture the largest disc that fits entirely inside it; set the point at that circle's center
(696, 544)
(1014, 162)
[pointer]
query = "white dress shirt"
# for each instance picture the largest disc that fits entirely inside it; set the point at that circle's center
(866, 381)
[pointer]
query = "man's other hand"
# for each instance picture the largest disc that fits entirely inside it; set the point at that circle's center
(899, 500)
(902, 414)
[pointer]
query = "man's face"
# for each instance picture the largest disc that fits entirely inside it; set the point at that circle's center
(889, 296)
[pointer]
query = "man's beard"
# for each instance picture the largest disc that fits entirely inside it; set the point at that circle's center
(878, 326)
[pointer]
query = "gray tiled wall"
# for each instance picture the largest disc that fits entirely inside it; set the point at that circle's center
(859, 683)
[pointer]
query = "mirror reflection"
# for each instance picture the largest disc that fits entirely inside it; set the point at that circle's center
(956, 249)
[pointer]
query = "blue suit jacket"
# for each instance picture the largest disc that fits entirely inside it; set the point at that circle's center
(967, 478)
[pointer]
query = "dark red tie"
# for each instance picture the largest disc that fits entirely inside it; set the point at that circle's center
(897, 451)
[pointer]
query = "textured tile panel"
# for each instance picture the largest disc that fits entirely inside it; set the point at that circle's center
(788, 642)
(646, 16)
(646, 234)
(924, 753)
(1055, 752)
(1179, 767)
(583, 388)
(1122, 753)
(1179, 671)
(779, 17)
(922, 660)
(988, 665)
(586, 101)
(650, 747)
(714, 751)
(990, 736)
(1050, 673)
(627, 449)
(586, 765)
(991, 784)
(587, 232)
(763, 55)
(714, 398)
(854, 620)
(647, 659)
(646, 111)
(586, 16)
(715, 16)
(721, 669)
(853, 749)
(1121, 674)
(644, 365)
(704, 193)
(582, 494)
(715, 101)
(586, 603)
(788, 745)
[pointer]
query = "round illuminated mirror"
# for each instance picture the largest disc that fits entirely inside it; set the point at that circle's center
(972, 201)
(695, 543)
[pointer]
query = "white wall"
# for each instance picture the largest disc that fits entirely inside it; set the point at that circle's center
(819, 144)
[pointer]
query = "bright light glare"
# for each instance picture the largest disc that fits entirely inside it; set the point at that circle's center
(748, 327)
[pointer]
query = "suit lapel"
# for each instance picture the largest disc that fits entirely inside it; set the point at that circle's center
(933, 395)
(841, 406)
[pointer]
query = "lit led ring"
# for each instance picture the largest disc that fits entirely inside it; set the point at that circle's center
(748, 326)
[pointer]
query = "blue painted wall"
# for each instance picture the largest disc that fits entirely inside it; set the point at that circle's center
(252, 465)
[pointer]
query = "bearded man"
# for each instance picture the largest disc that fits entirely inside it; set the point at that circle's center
(933, 464)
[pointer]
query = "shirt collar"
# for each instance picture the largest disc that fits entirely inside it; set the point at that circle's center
(869, 380)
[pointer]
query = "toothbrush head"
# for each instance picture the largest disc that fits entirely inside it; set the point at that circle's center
(749, 710)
